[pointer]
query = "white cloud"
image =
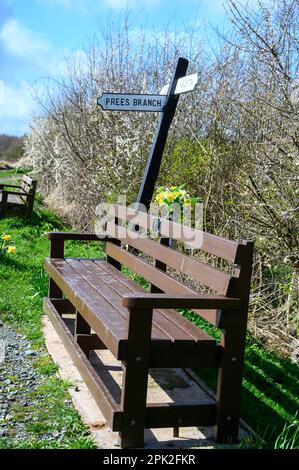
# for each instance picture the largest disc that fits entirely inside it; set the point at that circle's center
(58, 64)
(16, 108)
(17, 102)
(21, 41)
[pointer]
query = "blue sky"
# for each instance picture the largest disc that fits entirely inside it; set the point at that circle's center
(35, 36)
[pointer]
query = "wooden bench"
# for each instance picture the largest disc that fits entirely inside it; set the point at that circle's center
(143, 330)
(18, 198)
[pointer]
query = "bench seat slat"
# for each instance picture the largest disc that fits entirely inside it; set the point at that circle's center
(101, 281)
(103, 319)
(177, 327)
(159, 326)
(91, 286)
(169, 325)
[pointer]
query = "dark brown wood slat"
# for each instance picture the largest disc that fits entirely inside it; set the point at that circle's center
(110, 409)
(144, 269)
(104, 320)
(153, 275)
(172, 317)
(202, 272)
(102, 285)
(25, 187)
(118, 288)
(165, 328)
(27, 180)
(209, 355)
(63, 306)
(89, 342)
(162, 327)
(212, 244)
(81, 325)
(154, 300)
(161, 415)
(73, 236)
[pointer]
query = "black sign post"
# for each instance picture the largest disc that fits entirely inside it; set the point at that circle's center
(150, 176)
(166, 104)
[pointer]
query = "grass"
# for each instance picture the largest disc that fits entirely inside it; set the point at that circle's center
(23, 285)
(270, 399)
(270, 386)
(15, 172)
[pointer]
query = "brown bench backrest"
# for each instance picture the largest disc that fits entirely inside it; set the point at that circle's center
(28, 185)
(239, 255)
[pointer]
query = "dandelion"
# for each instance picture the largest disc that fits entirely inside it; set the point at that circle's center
(6, 245)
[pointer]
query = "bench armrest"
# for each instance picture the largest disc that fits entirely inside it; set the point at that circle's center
(57, 240)
(72, 236)
(197, 301)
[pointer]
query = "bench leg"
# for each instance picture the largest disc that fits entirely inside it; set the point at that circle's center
(54, 291)
(3, 206)
(135, 378)
(82, 327)
(229, 387)
(56, 251)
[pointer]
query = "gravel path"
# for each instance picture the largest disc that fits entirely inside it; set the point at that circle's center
(17, 379)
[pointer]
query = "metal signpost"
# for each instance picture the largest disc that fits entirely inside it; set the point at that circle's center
(165, 103)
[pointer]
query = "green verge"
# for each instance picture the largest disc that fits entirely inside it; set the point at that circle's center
(22, 288)
(15, 172)
(270, 399)
(270, 387)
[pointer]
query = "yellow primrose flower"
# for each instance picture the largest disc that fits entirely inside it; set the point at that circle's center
(170, 197)
(6, 237)
(11, 249)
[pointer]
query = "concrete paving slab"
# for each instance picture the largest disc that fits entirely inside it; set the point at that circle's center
(177, 385)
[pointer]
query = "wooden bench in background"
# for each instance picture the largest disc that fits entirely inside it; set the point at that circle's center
(18, 198)
(143, 330)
